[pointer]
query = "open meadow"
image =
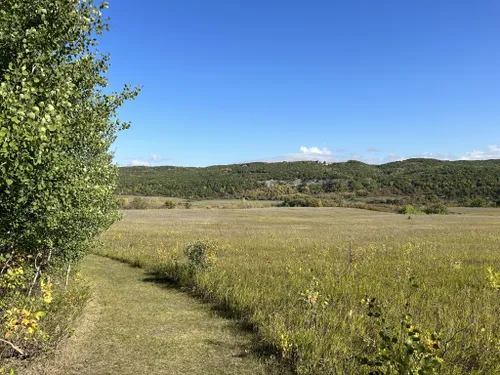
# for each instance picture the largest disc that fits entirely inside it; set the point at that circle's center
(338, 290)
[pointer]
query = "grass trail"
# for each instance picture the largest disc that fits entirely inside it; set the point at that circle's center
(137, 327)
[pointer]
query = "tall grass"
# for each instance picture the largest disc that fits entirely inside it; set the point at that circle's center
(299, 276)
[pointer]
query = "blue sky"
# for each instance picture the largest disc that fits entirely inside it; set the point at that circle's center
(244, 80)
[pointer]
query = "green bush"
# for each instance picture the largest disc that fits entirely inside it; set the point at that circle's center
(169, 204)
(36, 312)
(139, 203)
(408, 210)
(188, 205)
(300, 201)
(362, 193)
(437, 209)
(202, 254)
(478, 202)
(123, 203)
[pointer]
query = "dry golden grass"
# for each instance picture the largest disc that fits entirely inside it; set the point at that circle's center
(270, 258)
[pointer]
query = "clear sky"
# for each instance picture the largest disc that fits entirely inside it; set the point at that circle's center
(245, 80)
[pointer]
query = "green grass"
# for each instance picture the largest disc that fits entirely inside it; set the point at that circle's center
(270, 258)
(136, 325)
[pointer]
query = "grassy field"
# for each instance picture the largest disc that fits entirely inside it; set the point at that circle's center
(299, 276)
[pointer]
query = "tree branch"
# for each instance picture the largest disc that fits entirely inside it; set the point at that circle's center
(16, 348)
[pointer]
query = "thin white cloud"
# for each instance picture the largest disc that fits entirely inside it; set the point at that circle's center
(154, 159)
(392, 157)
(315, 151)
(325, 155)
(492, 152)
(305, 154)
(136, 163)
(310, 153)
(372, 150)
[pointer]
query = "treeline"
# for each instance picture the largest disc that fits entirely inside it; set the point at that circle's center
(426, 179)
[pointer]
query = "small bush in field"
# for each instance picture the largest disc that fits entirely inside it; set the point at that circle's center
(437, 209)
(188, 205)
(139, 203)
(478, 202)
(301, 201)
(410, 210)
(202, 254)
(362, 193)
(123, 203)
(169, 204)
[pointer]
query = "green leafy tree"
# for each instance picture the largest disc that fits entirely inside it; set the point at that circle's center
(57, 123)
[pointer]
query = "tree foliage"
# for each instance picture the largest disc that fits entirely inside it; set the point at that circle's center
(57, 122)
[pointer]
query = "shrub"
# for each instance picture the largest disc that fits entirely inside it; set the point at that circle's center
(139, 203)
(301, 201)
(437, 209)
(362, 193)
(402, 350)
(408, 210)
(169, 204)
(188, 205)
(371, 207)
(201, 254)
(478, 202)
(123, 203)
(36, 312)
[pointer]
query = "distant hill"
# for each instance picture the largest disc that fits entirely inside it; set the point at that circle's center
(452, 181)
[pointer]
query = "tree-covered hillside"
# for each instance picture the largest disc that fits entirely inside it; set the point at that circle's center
(457, 181)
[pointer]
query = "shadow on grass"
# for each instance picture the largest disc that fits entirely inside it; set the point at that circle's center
(239, 323)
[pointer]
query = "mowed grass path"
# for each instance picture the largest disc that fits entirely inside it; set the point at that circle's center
(135, 326)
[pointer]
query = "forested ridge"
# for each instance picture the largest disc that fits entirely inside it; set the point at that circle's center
(457, 181)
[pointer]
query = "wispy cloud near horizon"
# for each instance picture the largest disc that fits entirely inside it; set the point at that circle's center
(313, 153)
(492, 152)
(154, 159)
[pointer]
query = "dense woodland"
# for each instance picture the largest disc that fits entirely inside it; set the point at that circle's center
(460, 182)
